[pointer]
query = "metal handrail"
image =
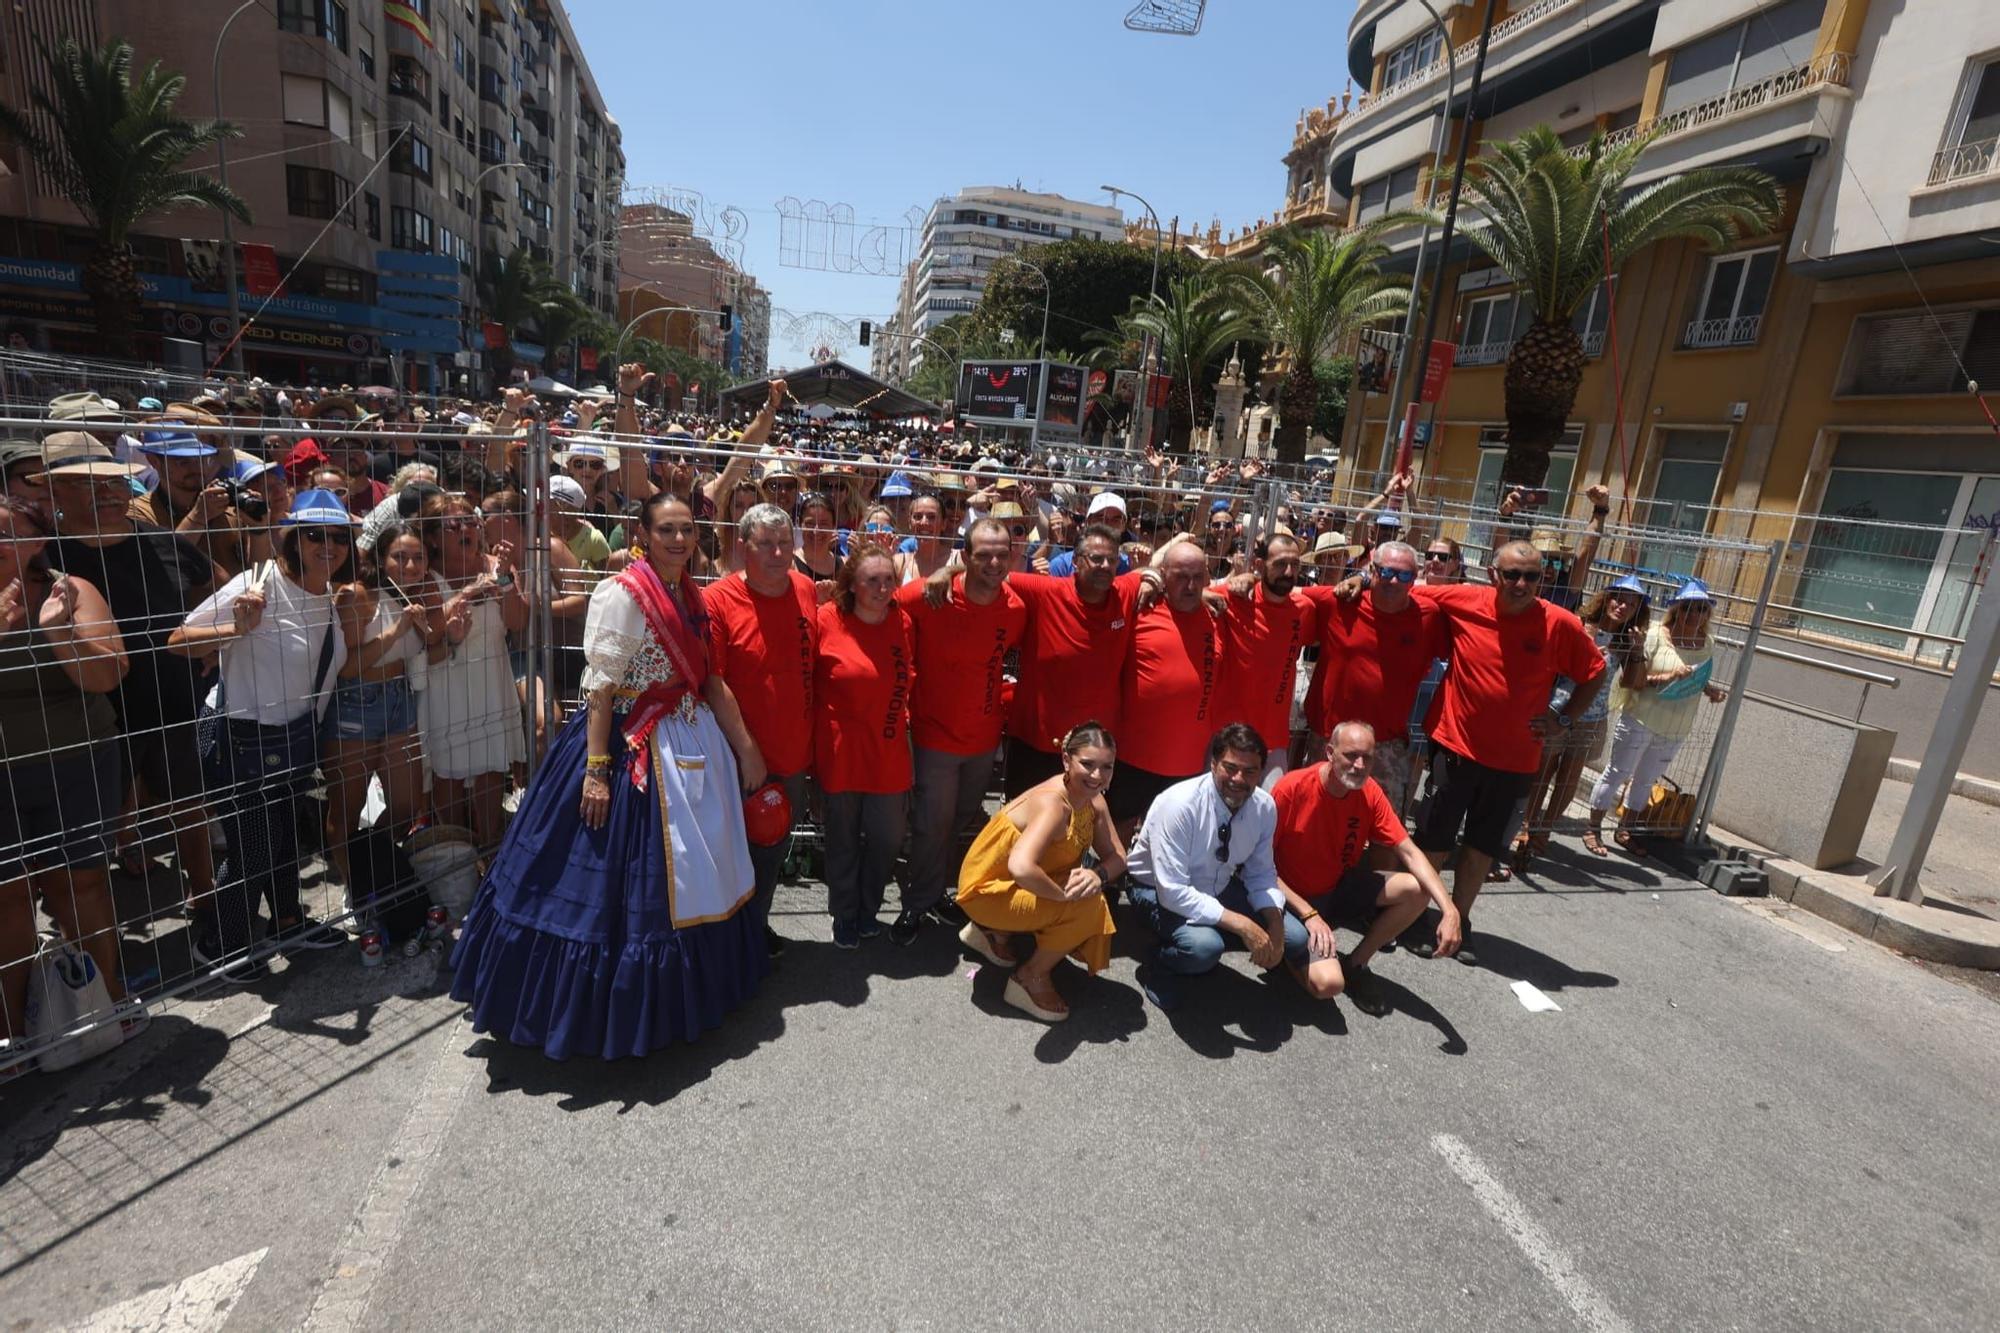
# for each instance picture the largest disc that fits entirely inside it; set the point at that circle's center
(1836, 668)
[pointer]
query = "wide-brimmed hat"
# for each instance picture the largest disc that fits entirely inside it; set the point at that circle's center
(1331, 546)
(246, 468)
(1007, 509)
(602, 452)
(19, 450)
(84, 407)
(1630, 583)
(317, 507)
(173, 442)
(949, 481)
(1694, 590)
(72, 453)
(780, 468)
(897, 487)
(1550, 541)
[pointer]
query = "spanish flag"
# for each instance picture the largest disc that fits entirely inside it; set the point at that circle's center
(395, 11)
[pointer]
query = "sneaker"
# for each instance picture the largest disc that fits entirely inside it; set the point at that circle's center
(948, 911)
(1466, 954)
(869, 927)
(206, 946)
(846, 935)
(1366, 992)
(1160, 986)
(309, 933)
(904, 930)
(774, 943)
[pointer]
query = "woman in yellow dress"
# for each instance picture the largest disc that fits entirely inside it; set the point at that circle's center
(1023, 875)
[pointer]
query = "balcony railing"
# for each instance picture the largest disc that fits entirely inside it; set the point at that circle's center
(1831, 70)
(1964, 161)
(1483, 354)
(1506, 28)
(1738, 332)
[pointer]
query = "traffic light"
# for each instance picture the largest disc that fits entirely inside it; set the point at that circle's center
(726, 319)
(866, 329)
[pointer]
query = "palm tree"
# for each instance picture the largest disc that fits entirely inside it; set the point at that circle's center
(1547, 218)
(114, 148)
(1197, 320)
(513, 292)
(1321, 288)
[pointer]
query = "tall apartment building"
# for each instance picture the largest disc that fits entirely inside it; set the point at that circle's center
(1821, 369)
(670, 268)
(405, 138)
(965, 235)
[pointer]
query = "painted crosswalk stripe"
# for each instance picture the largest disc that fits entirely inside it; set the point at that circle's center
(200, 1302)
(1540, 1248)
(1533, 1000)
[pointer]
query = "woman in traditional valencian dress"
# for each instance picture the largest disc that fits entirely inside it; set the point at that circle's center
(611, 921)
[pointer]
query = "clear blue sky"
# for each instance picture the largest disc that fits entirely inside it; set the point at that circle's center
(884, 105)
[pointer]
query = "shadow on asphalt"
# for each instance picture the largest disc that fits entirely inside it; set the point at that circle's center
(1101, 1010)
(1520, 962)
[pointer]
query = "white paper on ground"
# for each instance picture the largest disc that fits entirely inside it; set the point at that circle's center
(1533, 1000)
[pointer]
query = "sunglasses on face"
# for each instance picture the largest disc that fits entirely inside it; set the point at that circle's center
(321, 536)
(588, 465)
(1439, 557)
(460, 521)
(1519, 575)
(1395, 575)
(877, 527)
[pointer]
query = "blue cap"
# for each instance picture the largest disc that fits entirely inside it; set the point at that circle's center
(1694, 590)
(1630, 583)
(1218, 506)
(897, 486)
(1388, 518)
(249, 469)
(318, 507)
(151, 405)
(173, 444)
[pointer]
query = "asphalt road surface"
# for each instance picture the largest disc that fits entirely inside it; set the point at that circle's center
(1734, 1118)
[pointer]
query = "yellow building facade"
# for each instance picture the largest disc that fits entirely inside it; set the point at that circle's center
(1819, 370)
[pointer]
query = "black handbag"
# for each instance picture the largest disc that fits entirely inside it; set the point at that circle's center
(234, 751)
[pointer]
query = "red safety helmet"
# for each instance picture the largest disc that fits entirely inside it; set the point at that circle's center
(767, 814)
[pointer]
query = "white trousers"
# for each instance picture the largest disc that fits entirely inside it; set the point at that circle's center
(1638, 757)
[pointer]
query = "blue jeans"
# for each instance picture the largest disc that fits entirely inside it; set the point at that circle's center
(1192, 950)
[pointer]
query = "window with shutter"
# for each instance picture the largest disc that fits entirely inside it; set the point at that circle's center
(1916, 353)
(305, 100)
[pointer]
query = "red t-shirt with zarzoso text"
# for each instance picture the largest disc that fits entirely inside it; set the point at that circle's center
(763, 648)
(862, 676)
(1170, 702)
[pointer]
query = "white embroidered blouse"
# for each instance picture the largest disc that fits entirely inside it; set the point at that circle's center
(618, 649)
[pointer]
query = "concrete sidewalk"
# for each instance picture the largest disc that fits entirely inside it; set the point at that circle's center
(1957, 923)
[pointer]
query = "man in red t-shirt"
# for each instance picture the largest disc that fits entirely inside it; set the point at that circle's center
(1373, 653)
(1328, 817)
(1072, 656)
(761, 637)
(1169, 701)
(1262, 636)
(1508, 646)
(956, 715)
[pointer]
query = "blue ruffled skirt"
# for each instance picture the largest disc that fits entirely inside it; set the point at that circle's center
(571, 945)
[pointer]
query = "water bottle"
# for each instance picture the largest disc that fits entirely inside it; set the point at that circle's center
(437, 922)
(371, 947)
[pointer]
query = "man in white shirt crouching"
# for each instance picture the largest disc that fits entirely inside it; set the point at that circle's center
(1202, 871)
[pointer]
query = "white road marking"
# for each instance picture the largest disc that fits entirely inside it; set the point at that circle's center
(255, 1023)
(1533, 1000)
(1535, 1243)
(377, 1225)
(194, 1303)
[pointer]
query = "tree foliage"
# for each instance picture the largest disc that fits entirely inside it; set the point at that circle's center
(114, 149)
(1091, 286)
(1556, 222)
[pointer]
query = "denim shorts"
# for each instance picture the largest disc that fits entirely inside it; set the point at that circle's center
(370, 710)
(57, 809)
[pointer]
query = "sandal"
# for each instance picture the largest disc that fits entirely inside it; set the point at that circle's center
(1523, 855)
(1499, 874)
(1629, 842)
(1023, 999)
(984, 943)
(1594, 844)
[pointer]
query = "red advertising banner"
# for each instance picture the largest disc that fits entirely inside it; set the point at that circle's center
(587, 358)
(1437, 370)
(495, 334)
(1159, 390)
(1098, 379)
(260, 269)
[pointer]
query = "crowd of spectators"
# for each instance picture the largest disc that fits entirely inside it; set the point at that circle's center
(237, 626)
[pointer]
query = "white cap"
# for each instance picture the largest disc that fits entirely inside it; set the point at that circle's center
(566, 489)
(1102, 501)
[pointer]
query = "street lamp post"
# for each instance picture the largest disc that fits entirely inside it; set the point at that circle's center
(1041, 348)
(1142, 411)
(479, 223)
(222, 179)
(1403, 362)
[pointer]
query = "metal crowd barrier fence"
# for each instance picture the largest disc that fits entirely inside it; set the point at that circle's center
(171, 819)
